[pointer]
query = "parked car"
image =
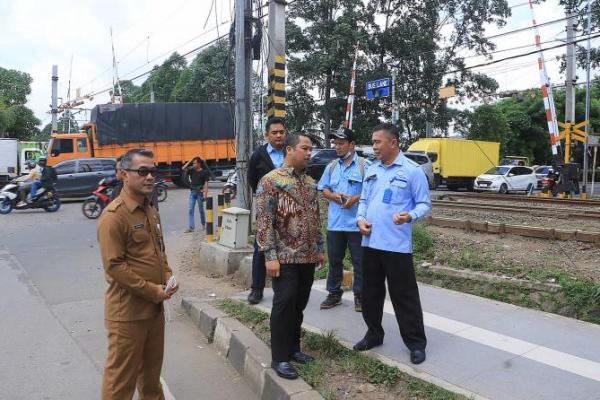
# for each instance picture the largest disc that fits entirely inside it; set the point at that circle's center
(542, 172)
(320, 158)
(80, 177)
(504, 179)
(426, 165)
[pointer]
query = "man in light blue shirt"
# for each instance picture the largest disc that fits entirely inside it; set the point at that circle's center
(395, 194)
(341, 184)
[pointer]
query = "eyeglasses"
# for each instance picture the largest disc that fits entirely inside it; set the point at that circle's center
(144, 171)
(282, 132)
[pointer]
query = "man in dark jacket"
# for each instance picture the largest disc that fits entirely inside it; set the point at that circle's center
(47, 179)
(264, 159)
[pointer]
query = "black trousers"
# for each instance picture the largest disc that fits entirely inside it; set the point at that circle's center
(397, 268)
(259, 271)
(291, 291)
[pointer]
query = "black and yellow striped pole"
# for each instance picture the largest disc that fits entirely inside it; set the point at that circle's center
(276, 94)
(209, 220)
(220, 203)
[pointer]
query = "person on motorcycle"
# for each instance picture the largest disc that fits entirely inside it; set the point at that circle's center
(26, 182)
(47, 178)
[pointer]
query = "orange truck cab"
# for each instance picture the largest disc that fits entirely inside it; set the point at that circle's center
(175, 132)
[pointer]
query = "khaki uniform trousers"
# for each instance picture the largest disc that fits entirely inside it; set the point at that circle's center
(135, 357)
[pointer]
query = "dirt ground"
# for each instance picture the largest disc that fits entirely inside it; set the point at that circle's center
(516, 256)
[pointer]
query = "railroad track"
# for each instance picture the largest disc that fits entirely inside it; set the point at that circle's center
(527, 199)
(553, 212)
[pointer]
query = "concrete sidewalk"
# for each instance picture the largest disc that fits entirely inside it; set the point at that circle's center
(484, 348)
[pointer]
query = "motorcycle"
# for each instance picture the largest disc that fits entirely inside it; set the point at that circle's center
(93, 205)
(45, 198)
(161, 190)
(231, 186)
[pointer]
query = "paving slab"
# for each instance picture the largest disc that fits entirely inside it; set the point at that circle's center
(486, 348)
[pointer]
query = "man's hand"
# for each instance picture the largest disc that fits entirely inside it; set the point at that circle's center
(273, 268)
(321, 261)
(351, 200)
(401, 218)
(364, 227)
(169, 293)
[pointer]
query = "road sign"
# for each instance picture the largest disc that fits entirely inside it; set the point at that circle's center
(378, 88)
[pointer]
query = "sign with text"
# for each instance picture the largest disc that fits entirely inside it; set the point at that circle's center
(378, 88)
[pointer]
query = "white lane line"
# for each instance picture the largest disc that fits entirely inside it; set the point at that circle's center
(166, 391)
(554, 358)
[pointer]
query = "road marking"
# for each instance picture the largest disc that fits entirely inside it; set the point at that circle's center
(166, 391)
(554, 358)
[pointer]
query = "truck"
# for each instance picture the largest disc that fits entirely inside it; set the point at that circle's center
(14, 157)
(457, 162)
(175, 132)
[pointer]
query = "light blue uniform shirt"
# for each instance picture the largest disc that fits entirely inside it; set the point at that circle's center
(409, 193)
(275, 155)
(344, 179)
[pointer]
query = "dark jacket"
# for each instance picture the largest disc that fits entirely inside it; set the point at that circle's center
(48, 176)
(260, 164)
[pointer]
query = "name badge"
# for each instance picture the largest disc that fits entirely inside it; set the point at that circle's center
(138, 226)
(387, 196)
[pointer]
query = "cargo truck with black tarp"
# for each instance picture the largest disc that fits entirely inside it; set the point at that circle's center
(175, 132)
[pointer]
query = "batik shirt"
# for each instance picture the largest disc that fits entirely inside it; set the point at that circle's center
(288, 227)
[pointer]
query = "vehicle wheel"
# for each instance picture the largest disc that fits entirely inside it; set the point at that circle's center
(92, 208)
(161, 193)
(503, 189)
(6, 206)
(471, 186)
(453, 188)
(54, 205)
(437, 181)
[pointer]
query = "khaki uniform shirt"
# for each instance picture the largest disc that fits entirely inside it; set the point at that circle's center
(134, 259)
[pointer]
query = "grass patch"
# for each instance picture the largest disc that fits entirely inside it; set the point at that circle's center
(334, 359)
(423, 243)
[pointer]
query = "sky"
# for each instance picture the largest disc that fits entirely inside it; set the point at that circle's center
(36, 34)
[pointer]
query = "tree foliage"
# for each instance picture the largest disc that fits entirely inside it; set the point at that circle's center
(16, 120)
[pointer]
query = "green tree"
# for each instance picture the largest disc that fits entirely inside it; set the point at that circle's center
(162, 80)
(15, 86)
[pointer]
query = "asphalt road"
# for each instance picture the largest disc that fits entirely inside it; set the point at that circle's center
(52, 339)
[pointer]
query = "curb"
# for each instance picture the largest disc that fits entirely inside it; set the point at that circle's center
(249, 355)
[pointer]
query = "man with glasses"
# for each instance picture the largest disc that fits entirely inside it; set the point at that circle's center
(117, 185)
(264, 159)
(198, 178)
(135, 263)
(341, 184)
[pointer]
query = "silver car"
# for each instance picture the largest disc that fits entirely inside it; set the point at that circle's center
(423, 160)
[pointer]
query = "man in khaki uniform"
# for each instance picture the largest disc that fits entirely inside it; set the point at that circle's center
(134, 259)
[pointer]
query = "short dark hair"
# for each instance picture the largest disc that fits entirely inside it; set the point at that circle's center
(292, 140)
(274, 120)
(389, 128)
(198, 159)
(127, 158)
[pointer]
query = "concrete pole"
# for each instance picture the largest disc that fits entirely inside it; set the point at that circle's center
(276, 60)
(54, 110)
(587, 99)
(394, 103)
(243, 120)
(570, 81)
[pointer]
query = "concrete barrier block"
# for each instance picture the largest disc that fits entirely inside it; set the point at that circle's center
(257, 362)
(223, 332)
(277, 388)
(310, 395)
(244, 272)
(219, 259)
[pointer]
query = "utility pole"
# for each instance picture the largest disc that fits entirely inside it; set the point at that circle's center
(394, 103)
(276, 60)
(587, 100)
(54, 110)
(570, 81)
(243, 100)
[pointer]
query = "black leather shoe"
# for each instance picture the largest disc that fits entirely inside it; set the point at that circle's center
(365, 344)
(302, 358)
(285, 370)
(417, 356)
(255, 296)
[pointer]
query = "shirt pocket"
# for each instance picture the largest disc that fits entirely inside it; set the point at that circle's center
(354, 185)
(140, 236)
(399, 191)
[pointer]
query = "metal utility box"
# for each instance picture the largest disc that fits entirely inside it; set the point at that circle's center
(235, 226)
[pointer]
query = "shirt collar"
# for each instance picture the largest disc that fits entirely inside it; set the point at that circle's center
(291, 171)
(354, 159)
(399, 160)
(271, 149)
(130, 202)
